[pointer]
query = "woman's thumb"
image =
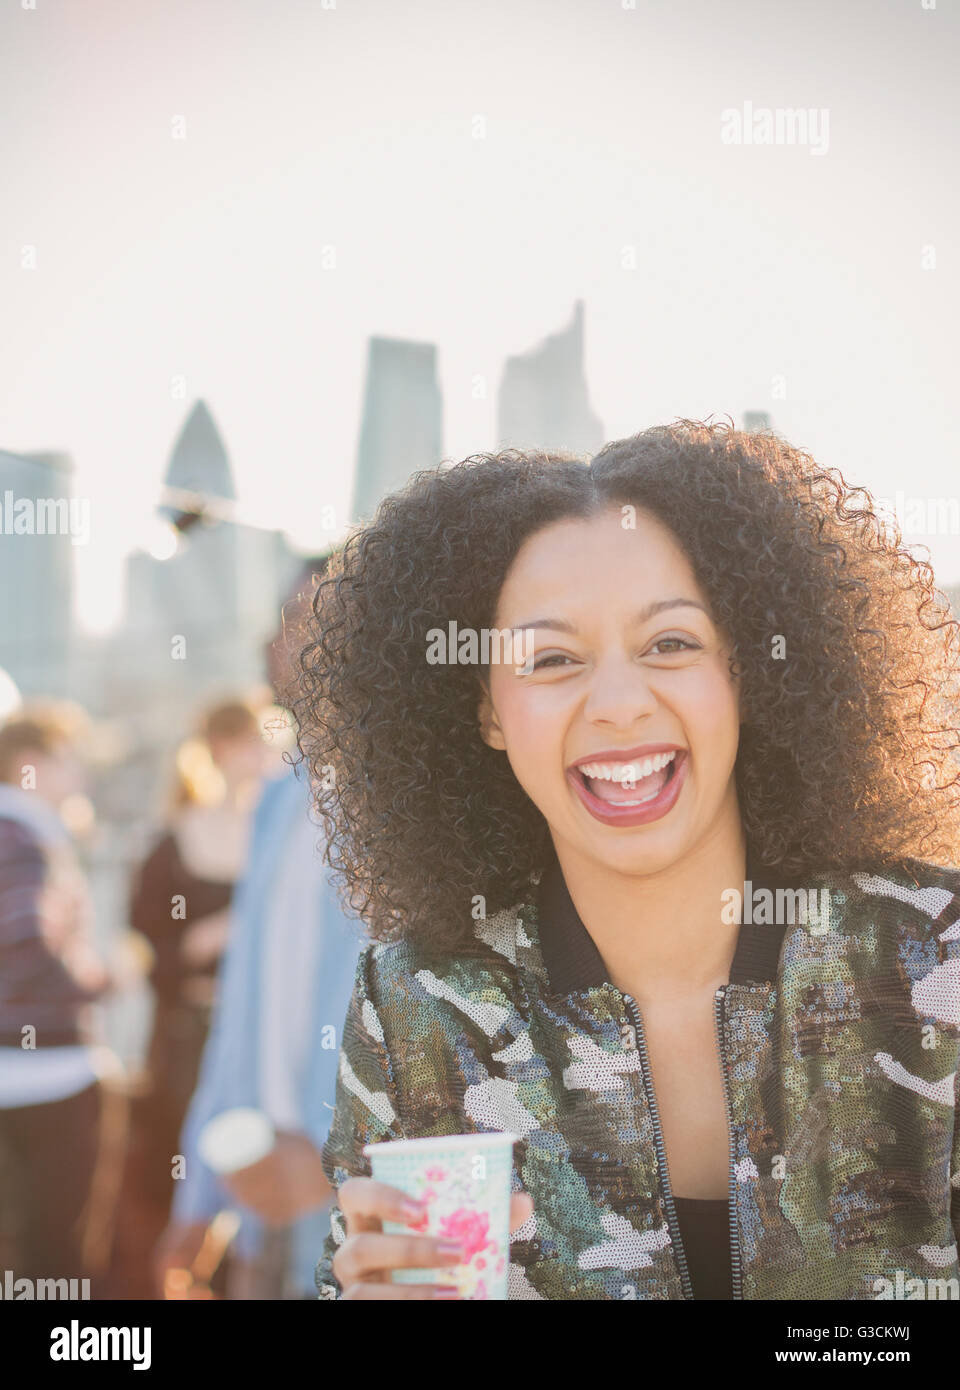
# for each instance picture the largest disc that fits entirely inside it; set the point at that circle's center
(521, 1209)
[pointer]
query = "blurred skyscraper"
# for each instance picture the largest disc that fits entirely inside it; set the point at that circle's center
(402, 427)
(199, 460)
(195, 591)
(39, 519)
(543, 400)
(181, 619)
(196, 621)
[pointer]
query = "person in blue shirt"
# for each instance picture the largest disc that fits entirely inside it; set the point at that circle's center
(285, 983)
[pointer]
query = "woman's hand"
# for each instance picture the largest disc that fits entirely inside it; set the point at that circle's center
(205, 940)
(363, 1262)
(177, 1248)
(284, 1185)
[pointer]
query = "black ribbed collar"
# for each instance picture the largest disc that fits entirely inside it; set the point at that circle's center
(573, 962)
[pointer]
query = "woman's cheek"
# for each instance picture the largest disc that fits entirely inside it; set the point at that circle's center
(713, 718)
(533, 727)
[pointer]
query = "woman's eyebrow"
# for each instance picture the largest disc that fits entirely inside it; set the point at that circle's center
(643, 615)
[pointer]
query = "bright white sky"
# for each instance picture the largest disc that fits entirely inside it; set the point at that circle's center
(353, 127)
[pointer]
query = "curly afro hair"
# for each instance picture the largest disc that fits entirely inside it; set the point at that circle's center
(845, 757)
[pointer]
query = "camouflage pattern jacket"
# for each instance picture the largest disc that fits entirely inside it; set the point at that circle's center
(840, 1041)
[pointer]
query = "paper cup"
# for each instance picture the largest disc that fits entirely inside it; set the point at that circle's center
(235, 1139)
(464, 1179)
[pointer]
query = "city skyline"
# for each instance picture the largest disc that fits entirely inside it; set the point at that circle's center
(402, 173)
(210, 578)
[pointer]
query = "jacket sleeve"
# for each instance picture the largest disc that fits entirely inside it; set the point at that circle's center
(366, 1110)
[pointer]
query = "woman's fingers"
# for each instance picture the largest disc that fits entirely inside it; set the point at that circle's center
(366, 1202)
(371, 1253)
(417, 1291)
(521, 1209)
(363, 1262)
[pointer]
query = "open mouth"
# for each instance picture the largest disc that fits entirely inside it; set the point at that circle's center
(643, 788)
(628, 784)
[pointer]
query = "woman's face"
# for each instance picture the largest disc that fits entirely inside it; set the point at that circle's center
(240, 758)
(627, 668)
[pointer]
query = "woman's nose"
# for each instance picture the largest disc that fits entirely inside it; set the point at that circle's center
(619, 693)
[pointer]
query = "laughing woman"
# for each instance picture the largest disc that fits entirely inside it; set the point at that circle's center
(676, 899)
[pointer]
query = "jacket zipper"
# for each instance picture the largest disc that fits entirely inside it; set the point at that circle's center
(672, 1222)
(735, 1263)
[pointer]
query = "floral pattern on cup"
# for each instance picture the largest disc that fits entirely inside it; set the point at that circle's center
(457, 1206)
(465, 1224)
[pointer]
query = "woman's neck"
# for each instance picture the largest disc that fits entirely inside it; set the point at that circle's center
(240, 792)
(662, 934)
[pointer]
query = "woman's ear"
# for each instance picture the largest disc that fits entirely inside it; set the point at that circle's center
(490, 730)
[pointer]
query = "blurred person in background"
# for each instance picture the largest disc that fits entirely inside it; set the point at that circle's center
(180, 901)
(274, 1046)
(181, 897)
(51, 1052)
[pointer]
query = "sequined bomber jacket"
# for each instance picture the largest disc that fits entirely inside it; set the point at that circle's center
(839, 1036)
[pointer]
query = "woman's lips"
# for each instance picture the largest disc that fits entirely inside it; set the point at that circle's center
(610, 813)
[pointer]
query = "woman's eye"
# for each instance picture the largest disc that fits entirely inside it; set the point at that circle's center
(542, 662)
(678, 643)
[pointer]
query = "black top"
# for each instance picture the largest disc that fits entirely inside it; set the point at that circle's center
(163, 876)
(573, 962)
(705, 1237)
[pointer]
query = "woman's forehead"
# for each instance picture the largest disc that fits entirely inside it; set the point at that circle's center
(579, 561)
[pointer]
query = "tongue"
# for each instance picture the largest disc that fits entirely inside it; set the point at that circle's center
(615, 793)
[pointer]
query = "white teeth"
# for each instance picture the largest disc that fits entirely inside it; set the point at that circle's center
(627, 772)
